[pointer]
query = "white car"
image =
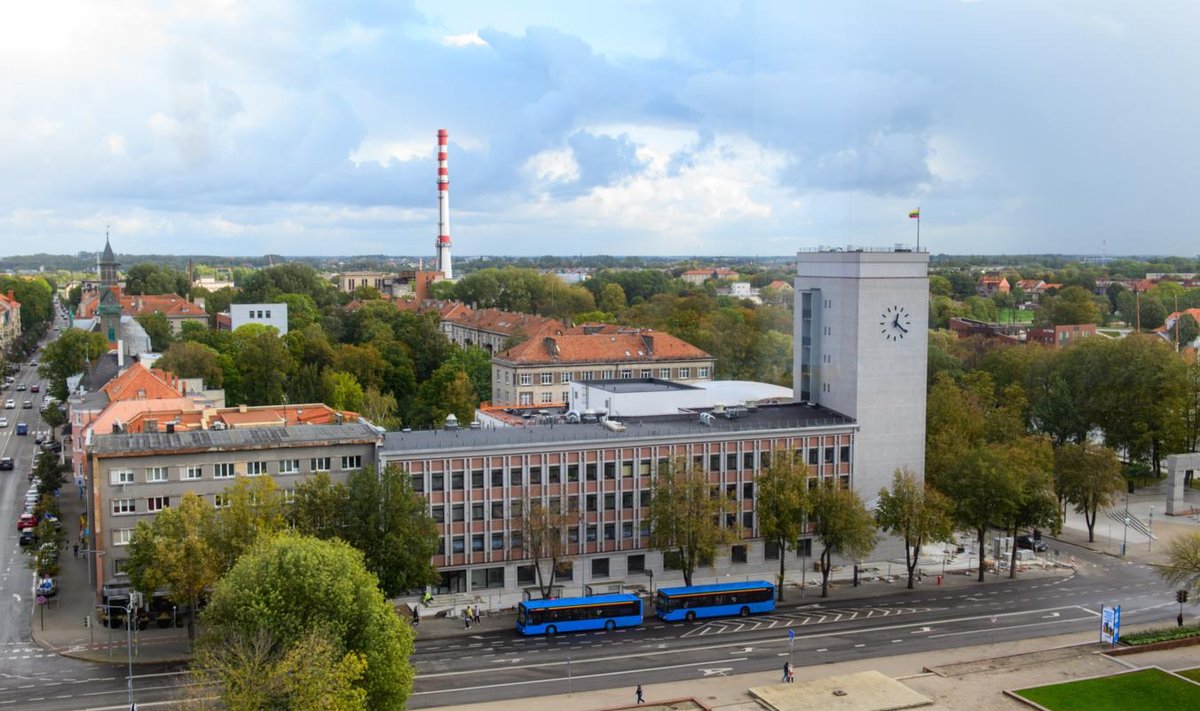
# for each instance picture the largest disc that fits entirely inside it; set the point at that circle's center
(3, 422)
(10, 404)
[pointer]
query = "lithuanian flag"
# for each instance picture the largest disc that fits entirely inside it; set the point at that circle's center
(915, 214)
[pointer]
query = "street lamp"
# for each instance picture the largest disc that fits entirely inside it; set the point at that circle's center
(1150, 531)
(1125, 534)
(129, 622)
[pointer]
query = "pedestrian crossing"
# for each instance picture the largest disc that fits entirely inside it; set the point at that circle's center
(813, 615)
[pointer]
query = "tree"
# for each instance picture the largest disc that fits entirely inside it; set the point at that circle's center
(390, 523)
(342, 391)
(291, 587)
(67, 355)
(158, 328)
(149, 278)
(1088, 476)
(1037, 505)
(54, 417)
(782, 505)
(1073, 304)
(189, 359)
(841, 524)
(983, 492)
(1185, 330)
(319, 506)
(448, 391)
(1183, 563)
(477, 364)
(174, 551)
(381, 408)
(544, 537)
(257, 673)
(611, 299)
(254, 509)
(263, 363)
(686, 515)
(916, 514)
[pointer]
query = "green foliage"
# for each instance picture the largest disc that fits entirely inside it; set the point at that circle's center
(267, 285)
(914, 513)
(67, 356)
(1185, 330)
(293, 587)
(158, 328)
(342, 391)
(37, 302)
(686, 516)
(1183, 564)
(191, 359)
(1071, 305)
(477, 364)
(1087, 476)
(842, 526)
(1160, 634)
(1146, 688)
(253, 511)
(149, 278)
(263, 363)
(782, 504)
(319, 506)
(448, 390)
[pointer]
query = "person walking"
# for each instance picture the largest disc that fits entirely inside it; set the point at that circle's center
(640, 700)
(416, 616)
(475, 614)
(467, 617)
(75, 549)
(787, 672)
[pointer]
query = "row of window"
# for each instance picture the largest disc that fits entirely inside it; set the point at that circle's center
(604, 374)
(592, 503)
(227, 470)
(154, 504)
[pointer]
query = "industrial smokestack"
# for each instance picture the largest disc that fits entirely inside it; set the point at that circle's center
(443, 186)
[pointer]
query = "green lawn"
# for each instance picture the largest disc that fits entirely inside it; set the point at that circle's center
(1193, 674)
(1145, 689)
(1015, 316)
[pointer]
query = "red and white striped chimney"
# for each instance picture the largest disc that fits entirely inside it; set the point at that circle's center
(443, 186)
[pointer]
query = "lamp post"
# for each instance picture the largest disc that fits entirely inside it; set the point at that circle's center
(1125, 533)
(1150, 531)
(129, 622)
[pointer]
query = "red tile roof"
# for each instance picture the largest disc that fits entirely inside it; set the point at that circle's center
(170, 305)
(644, 346)
(138, 382)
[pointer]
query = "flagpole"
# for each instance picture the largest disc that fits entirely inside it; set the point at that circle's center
(918, 228)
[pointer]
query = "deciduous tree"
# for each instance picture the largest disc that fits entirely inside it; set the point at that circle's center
(842, 526)
(544, 529)
(686, 515)
(782, 504)
(914, 513)
(190, 359)
(390, 523)
(1088, 476)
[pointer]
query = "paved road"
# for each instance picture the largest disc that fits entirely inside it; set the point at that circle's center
(505, 666)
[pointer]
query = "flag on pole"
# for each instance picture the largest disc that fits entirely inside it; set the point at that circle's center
(915, 214)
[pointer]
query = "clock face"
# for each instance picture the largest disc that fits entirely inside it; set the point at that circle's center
(895, 323)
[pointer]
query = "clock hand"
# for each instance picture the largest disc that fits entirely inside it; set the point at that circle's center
(901, 327)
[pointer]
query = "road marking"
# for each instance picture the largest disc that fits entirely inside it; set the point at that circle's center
(575, 676)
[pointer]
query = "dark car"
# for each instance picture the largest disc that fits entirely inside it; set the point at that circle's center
(27, 538)
(6, 463)
(35, 388)
(1034, 544)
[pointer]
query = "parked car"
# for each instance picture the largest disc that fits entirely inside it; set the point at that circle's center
(6, 463)
(27, 537)
(1033, 544)
(27, 520)
(47, 587)
(52, 445)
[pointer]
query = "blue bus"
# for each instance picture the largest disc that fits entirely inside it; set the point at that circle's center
(576, 614)
(722, 600)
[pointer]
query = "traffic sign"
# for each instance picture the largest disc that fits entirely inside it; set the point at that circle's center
(791, 635)
(41, 599)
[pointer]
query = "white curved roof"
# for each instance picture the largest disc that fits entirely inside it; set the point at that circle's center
(735, 392)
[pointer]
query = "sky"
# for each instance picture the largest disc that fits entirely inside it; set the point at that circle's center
(628, 127)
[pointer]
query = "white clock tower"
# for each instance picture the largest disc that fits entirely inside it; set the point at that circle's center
(861, 349)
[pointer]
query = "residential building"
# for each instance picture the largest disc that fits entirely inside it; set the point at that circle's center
(699, 276)
(266, 314)
(992, 285)
(349, 281)
(1033, 289)
(966, 327)
(490, 329)
(539, 370)
(1061, 335)
(741, 290)
(10, 320)
(1167, 330)
(406, 284)
(107, 303)
(131, 477)
(478, 481)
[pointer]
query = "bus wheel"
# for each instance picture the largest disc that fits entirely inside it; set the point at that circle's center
(551, 631)
(610, 626)
(745, 611)
(690, 616)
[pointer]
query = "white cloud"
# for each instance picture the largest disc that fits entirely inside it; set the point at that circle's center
(470, 39)
(556, 165)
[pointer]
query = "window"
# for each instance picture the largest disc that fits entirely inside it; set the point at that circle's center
(526, 399)
(516, 540)
(572, 473)
(647, 373)
(553, 474)
(591, 471)
(122, 536)
(587, 375)
(644, 467)
(497, 477)
(292, 466)
(812, 456)
(458, 544)
(565, 377)
(748, 520)
(771, 550)
(516, 509)
(352, 462)
(591, 533)
(701, 372)
(220, 500)
(610, 470)
(610, 531)
(573, 534)
(664, 373)
(456, 480)
(730, 462)
(158, 503)
(547, 397)
(685, 373)
(748, 490)
(487, 578)
(193, 473)
(627, 500)
(829, 455)
(526, 379)
(636, 563)
(626, 374)
(547, 378)
(256, 468)
(497, 509)
(626, 470)
(224, 470)
(573, 504)
(457, 512)
(477, 479)
(497, 541)
(121, 476)
(591, 502)
(565, 570)
(477, 543)
(319, 464)
(714, 462)
(644, 497)
(747, 460)
(535, 475)
(566, 396)
(804, 548)
(606, 375)
(439, 514)
(599, 567)
(844, 455)
(124, 506)
(737, 554)
(610, 502)
(526, 575)
(155, 474)
(477, 512)
(627, 529)
(517, 476)
(438, 481)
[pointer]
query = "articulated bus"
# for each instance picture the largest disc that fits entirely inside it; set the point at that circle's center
(577, 614)
(724, 599)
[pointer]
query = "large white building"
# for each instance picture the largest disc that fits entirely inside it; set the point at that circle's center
(861, 335)
(267, 314)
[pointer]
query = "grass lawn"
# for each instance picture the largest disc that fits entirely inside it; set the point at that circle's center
(1015, 316)
(1193, 674)
(1145, 689)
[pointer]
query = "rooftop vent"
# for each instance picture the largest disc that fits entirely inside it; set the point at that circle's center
(451, 421)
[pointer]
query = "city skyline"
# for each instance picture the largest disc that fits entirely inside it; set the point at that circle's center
(665, 129)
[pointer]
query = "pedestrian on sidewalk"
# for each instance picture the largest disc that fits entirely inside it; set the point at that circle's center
(787, 672)
(75, 549)
(475, 614)
(640, 700)
(467, 617)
